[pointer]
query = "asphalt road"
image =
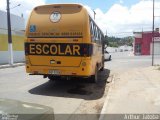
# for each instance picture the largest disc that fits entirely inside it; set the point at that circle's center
(66, 97)
(122, 61)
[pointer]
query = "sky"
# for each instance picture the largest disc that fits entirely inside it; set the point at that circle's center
(115, 17)
(104, 6)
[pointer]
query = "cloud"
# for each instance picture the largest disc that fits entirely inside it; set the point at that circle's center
(121, 1)
(25, 7)
(121, 20)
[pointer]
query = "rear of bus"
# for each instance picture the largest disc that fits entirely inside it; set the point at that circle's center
(58, 41)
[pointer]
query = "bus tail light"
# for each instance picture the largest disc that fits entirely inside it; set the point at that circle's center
(87, 50)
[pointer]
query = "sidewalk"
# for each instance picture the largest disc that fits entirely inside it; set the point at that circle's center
(133, 92)
(10, 66)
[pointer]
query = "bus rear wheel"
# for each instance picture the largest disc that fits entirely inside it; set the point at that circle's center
(102, 68)
(94, 78)
(53, 78)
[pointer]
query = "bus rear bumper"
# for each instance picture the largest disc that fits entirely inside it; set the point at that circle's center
(59, 71)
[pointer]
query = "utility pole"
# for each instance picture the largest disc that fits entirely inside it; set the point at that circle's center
(10, 49)
(94, 14)
(153, 36)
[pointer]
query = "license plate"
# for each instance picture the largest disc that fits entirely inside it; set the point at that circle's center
(54, 72)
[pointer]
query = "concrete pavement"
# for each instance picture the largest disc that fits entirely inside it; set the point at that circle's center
(10, 66)
(67, 97)
(133, 92)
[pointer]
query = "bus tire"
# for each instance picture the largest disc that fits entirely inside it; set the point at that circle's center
(94, 78)
(102, 68)
(53, 78)
(110, 58)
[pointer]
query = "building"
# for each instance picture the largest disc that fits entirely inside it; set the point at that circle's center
(119, 49)
(17, 26)
(125, 48)
(143, 43)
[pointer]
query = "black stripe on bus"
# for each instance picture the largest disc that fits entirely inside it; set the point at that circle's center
(58, 49)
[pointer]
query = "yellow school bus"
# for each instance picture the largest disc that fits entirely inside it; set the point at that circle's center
(62, 40)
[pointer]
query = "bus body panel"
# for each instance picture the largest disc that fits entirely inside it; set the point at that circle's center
(53, 47)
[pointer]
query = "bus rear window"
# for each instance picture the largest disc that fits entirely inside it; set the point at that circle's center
(56, 21)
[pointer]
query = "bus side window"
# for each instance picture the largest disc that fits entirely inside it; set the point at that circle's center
(91, 30)
(98, 40)
(94, 32)
(99, 37)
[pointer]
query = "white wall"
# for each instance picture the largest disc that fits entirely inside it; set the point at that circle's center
(111, 49)
(17, 23)
(156, 48)
(18, 57)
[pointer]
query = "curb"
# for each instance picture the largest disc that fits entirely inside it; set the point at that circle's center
(11, 66)
(102, 114)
